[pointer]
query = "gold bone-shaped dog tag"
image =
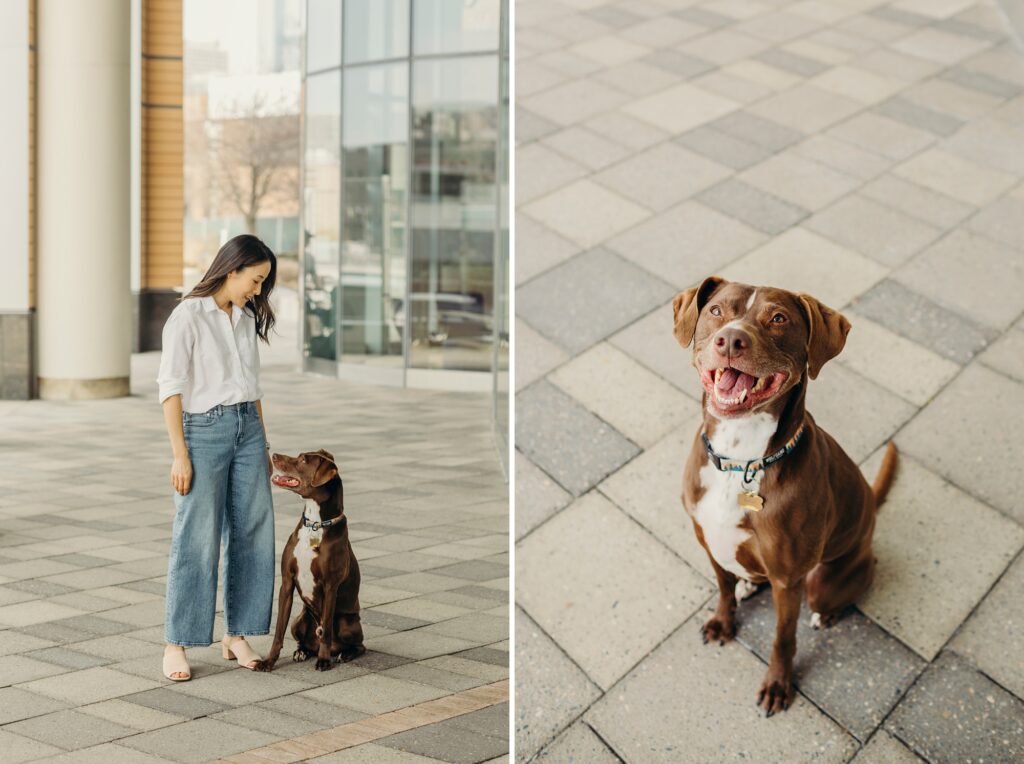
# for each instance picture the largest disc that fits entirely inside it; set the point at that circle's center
(750, 500)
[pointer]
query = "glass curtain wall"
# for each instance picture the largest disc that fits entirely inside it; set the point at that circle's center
(416, 241)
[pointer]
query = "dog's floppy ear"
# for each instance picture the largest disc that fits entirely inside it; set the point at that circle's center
(328, 454)
(686, 307)
(828, 330)
(325, 472)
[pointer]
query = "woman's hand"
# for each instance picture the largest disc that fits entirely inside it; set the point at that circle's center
(181, 474)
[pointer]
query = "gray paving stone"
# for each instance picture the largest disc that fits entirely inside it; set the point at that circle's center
(957, 538)
(723, 148)
(206, 738)
(853, 671)
(310, 711)
(531, 126)
(991, 637)
(757, 130)
(481, 628)
(753, 206)
(610, 293)
(605, 605)
(1006, 354)
(15, 669)
(551, 427)
(447, 741)
(918, 116)
(264, 720)
(979, 413)
(791, 62)
(917, 201)
(17, 703)
(957, 270)
(390, 621)
(981, 82)
(485, 655)
(911, 371)
(906, 312)
(67, 658)
(678, 63)
(586, 147)
(16, 748)
(662, 710)
(175, 703)
(650, 341)
(614, 16)
(883, 748)
(538, 497)
(702, 16)
(551, 690)
(662, 176)
(373, 694)
(888, 137)
(474, 570)
(1002, 221)
(69, 729)
(445, 680)
(954, 713)
(875, 230)
(578, 743)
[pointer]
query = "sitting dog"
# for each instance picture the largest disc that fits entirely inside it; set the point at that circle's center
(318, 560)
(773, 498)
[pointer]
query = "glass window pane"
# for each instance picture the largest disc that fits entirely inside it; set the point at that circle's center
(455, 26)
(321, 211)
(376, 30)
(373, 263)
(455, 143)
(323, 34)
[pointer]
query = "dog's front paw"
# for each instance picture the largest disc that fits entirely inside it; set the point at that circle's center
(300, 655)
(324, 664)
(266, 664)
(775, 694)
(718, 628)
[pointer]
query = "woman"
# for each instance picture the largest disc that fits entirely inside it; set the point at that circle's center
(210, 393)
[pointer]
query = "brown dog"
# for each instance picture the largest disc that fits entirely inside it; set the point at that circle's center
(773, 498)
(318, 560)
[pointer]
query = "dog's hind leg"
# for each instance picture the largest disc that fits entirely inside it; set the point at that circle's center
(349, 637)
(834, 586)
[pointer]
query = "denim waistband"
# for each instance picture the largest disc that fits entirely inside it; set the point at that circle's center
(243, 408)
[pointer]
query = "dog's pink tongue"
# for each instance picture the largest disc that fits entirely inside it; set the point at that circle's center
(745, 382)
(727, 380)
(735, 382)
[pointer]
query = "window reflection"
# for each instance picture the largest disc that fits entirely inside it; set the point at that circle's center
(323, 34)
(455, 135)
(376, 30)
(375, 163)
(455, 26)
(321, 203)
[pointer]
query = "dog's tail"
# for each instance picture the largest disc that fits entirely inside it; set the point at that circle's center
(885, 474)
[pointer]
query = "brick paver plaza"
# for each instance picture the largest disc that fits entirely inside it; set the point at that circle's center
(85, 524)
(870, 153)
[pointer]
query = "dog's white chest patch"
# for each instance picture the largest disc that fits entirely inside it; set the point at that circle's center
(717, 512)
(304, 553)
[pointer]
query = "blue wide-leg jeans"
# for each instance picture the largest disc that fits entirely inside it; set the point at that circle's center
(228, 501)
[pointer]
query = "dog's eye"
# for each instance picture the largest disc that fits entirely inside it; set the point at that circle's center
(778, 318)
(714, 310)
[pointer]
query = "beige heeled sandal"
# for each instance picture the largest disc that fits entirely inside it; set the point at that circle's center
(240, 651)
(174, 662)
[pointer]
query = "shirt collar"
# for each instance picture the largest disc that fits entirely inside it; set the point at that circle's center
(210, 304)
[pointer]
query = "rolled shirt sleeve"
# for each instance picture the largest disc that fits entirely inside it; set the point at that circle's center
(176, 357)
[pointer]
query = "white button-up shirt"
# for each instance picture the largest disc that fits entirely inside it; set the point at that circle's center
(207, 357)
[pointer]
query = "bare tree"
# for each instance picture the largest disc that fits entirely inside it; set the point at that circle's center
(256, 152)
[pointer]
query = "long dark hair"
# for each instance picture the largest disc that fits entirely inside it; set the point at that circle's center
(241, 252)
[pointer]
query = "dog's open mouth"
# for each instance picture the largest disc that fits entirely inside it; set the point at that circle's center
(285, 481)
(732, 390)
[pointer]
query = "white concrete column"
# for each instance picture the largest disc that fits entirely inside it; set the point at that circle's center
(84, 309)
(14, 183)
